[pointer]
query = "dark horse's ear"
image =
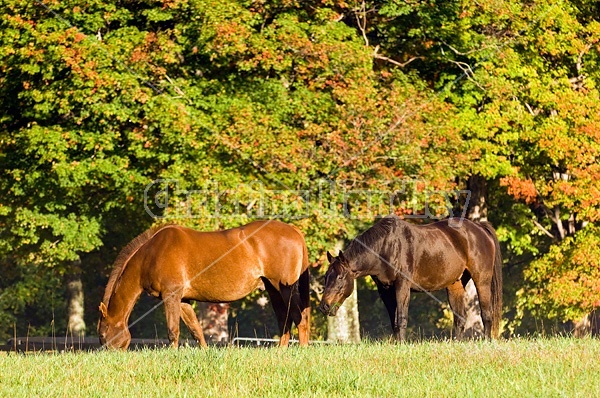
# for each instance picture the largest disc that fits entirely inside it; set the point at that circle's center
(330, 258)
(342, 259)
(103, 310)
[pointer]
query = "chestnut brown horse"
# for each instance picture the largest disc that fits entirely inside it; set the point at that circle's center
(401, 257)
(179, 264)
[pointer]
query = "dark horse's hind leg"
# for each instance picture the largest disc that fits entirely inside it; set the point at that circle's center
(284, 308)
(483, 284)
(388, 296)
(456, 297)
(304, 295)
(484, 291)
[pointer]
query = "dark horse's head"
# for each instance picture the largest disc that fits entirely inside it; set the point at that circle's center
(339, 284)
(114, 335)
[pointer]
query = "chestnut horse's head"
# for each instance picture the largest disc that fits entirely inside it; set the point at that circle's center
(113, 335)
(339, 284)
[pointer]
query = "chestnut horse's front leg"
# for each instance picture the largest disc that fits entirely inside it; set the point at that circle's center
(402, 287)
(172, 304)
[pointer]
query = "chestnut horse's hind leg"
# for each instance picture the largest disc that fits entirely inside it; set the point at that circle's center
(172, 304)
(456, 297)
(193, 324)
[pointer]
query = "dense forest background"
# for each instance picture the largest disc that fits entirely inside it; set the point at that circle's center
(325, 114)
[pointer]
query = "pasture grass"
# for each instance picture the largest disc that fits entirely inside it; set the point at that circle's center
(552, 367)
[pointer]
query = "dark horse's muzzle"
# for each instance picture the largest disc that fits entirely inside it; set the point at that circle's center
(326, 309)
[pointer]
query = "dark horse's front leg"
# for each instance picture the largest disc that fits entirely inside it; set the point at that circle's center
(388, 296)
(286, 304)
(402, 287)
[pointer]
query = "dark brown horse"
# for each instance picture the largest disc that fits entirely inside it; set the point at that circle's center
(400, 256)
(179, 264)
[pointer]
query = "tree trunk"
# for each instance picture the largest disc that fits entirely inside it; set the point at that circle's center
(583, 327)
(476, 211)
(213, 318)
(477, 206)
(589, 325)
(473, 323)
(76, 322)
(345, 327)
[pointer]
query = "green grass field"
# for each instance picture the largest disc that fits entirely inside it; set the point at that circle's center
(535, 368)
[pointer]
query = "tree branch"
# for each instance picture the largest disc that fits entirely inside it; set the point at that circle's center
(544, 230)
(533, 113)
(177, 89)
(455, 51)
(362, 25)
(392, 61)
(466, 68)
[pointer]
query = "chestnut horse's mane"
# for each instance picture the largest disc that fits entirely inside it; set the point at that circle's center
(124, 257)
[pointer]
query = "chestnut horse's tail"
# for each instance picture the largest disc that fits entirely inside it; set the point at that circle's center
(496, 280)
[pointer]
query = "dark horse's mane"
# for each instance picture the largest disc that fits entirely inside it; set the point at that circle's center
(124, 256)
(371, 236)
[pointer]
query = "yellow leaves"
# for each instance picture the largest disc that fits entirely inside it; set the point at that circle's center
(566, 281)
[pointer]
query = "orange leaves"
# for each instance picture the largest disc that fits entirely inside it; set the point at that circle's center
(79, 37)
(561, 152)
(230, 39)
(591, 130)
(139, 55)
(565, 188)
(520, 189)
(76, 58)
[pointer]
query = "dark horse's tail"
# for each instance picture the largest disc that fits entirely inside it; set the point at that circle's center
(496, 281)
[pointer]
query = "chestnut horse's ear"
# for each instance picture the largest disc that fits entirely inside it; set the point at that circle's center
(330, 257)
(103, 310)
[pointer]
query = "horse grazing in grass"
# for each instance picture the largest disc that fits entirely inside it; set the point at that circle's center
(179, 264)
(401, 257)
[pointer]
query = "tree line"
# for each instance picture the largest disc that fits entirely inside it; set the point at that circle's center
(325, 114)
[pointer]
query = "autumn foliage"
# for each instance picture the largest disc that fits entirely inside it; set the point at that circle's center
(405, 101)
